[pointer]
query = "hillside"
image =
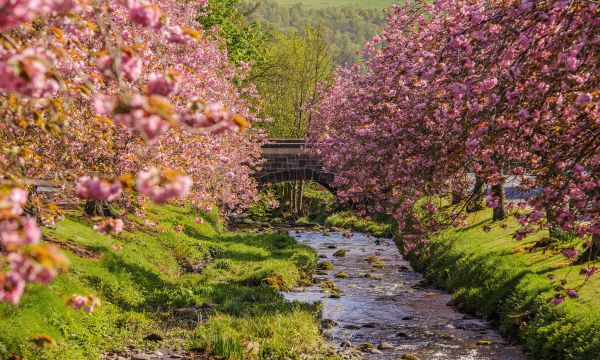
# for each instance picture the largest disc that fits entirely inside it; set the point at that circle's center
(345, 25)
(371, 4)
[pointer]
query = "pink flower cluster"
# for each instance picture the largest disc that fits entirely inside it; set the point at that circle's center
(141, 114)
(14, 12)
(110, 226)
(162, 84)
(214, 117)
(27, 261)
(163, 186)
(85, 303)
(28, 73)
(97, 189)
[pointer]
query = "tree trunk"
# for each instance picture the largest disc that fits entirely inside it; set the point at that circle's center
(476, 202)
(98, 208)
(456, 198)
(299, 201)
(553, 231)
(499, 211)
(592, 253)
(293, 196)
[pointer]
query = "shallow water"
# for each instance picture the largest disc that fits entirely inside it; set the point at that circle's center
(391, 305)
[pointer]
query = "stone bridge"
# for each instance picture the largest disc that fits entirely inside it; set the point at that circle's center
(289, 160)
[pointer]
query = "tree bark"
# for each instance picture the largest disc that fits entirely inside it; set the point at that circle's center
(98, 208)
(299, 202)
(476, 202)
(499, 211)
(592, 253)
(456, 198)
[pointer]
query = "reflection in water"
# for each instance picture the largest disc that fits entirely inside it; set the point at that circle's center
(388, 306)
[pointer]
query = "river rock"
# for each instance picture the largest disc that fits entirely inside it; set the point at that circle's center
(385, 346)
(408, 356)
(345, 344)
(141, 357)
(483, 342)
(328, 324)
(375, 351)
(402, 335)
(340, 253)
(154, 337)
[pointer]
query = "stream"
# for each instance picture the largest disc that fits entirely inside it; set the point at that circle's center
(387, 308)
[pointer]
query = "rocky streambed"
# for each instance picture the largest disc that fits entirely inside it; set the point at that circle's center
(376, 307)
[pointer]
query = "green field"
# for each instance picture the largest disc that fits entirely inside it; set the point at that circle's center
(374, 4)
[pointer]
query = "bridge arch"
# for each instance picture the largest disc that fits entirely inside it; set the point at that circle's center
(289, 160)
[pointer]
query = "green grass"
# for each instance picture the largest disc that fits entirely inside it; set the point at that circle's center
(143, 283)
(375, 4)
(494, 276)
(379, 225)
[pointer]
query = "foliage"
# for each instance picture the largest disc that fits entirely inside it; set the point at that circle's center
(142, 275)
(245, 40)
(507, 282)
(377, 225)
(346, 27)
(295, 66)
(274, 203)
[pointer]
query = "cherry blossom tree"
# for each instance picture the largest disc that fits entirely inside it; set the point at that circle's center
(93, 93)
(460, 90)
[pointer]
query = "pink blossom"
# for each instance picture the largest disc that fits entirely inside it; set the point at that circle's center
(14, 12)
(583, 98)
(558, 299)
(28, 73)
(570, 253)
(164, 85)
(110, 226)
(162, 187)
(215, 117)
(588, 272)
(572, 293)
(85, 303)
(198, 220)
(144, 13)
(491, 201)
(18, 232)
(12, 287)
(140, 116)
(97, 189)
(131, 66)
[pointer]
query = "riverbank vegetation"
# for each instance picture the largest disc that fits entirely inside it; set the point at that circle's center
(182, 279)
(512, 284)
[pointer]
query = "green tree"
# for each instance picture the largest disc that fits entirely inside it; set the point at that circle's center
(288, 80)
(245, 40)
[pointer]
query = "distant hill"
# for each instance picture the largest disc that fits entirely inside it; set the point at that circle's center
(347, 25)
(372, 4)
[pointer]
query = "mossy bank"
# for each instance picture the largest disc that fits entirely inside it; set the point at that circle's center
(494, 276)
(184, 280)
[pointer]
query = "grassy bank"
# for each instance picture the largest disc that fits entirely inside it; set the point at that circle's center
(192, 284)
(378, 225)
(494, 276)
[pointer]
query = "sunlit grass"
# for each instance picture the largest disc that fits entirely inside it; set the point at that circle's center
(495, 276)
(147, 276)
